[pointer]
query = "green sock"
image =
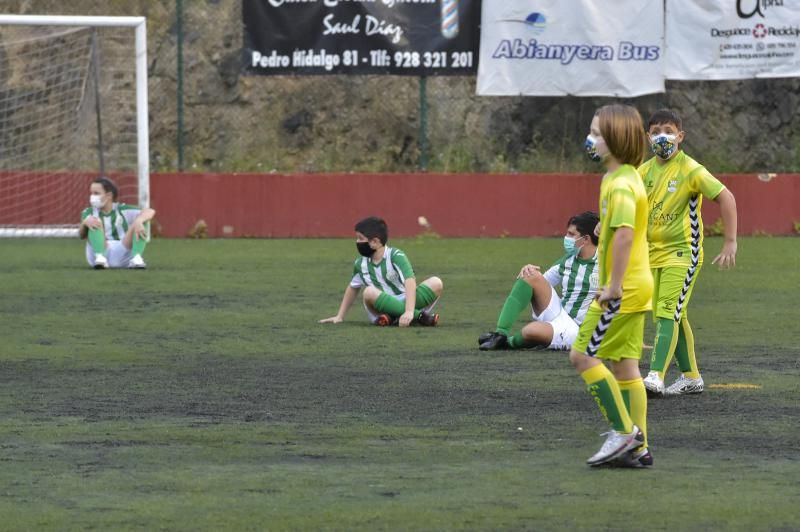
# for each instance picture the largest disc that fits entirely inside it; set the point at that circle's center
(516, 341)
(392, 306)
(664, 348)
(97, 239)
(138, 245)
(425, 296)
(684, 351)
(520, 297)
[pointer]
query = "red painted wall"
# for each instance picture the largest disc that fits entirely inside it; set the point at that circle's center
(455, 205)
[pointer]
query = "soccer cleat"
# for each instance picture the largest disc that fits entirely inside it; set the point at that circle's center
(137, 262)
(684, 385)
(485, 336)
(616, 444)
(428, 319)
(653, 384)
(639, 457)
(496, 341)
(384, 320)
(100, 262)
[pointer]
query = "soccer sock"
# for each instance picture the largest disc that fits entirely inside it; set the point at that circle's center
(516, 341)
(392, 306)
(97, 240)
(138, 245)
(635, 397)
(664, 345)
(604, 388)
(684, 351)
(425, 296)
(520, 297)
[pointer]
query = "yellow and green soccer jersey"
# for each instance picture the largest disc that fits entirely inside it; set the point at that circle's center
(116, 222)
(389, 275)
(623, 203)
(670, 187)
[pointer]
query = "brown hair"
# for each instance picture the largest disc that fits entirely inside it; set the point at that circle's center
(622, 128)
(665, 116)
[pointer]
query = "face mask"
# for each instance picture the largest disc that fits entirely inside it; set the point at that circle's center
(569, 245)
(663, 145)
(96, 201)
(591, 149)
(364, 249)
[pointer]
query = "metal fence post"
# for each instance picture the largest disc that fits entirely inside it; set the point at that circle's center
(179, 95)
(423, 123)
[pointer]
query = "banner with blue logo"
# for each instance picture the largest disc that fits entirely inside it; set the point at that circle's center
(580, 47)
(737, 39)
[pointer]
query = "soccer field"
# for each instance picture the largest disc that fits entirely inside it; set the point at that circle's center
(203, 394)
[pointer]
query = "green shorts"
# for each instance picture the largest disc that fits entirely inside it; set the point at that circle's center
(623, 339)
(667, 286)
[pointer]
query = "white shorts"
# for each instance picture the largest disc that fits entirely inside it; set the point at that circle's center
(400, 297)
(565, 330)
(118, 255)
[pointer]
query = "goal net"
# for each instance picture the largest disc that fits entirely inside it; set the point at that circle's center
(73, 106)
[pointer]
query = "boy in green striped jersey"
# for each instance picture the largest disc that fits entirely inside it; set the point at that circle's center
(391, 294)
(555, 319)
(116, 232)
(675, 185)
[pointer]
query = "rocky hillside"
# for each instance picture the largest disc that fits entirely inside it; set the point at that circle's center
(335, 123)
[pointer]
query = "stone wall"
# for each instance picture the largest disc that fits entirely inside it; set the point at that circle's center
(371, 124)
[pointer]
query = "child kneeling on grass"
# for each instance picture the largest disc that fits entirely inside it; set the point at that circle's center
(391, 294)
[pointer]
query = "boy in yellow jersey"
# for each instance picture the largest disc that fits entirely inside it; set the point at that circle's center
(613, 329)
(675, 185)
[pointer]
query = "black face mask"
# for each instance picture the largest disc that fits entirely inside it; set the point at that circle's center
(364, 249)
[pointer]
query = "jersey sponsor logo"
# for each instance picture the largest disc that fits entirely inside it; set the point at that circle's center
(659, 217)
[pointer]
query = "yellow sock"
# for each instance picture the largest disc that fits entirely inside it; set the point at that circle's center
(606, 393)
(685, 351)
(635, 397)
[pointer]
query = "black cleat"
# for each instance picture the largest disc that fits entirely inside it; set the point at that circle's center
(428, 319)
(485, 336)
(496, 341)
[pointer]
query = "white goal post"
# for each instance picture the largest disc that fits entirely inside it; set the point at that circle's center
(48, 94)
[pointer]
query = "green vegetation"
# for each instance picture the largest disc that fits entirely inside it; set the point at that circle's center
(202, 394)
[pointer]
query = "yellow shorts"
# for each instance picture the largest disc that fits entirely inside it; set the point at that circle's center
(623, 339)
(667, 286)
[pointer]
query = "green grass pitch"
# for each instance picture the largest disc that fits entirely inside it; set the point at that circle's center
(203, 394)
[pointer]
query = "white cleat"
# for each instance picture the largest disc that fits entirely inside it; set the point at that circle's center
(617, 444)
(684, 385)
(653, 384)
(100, 262)
(137, 262)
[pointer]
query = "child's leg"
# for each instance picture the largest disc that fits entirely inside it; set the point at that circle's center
(532, 290)
(133, 242)
(97, 240)
(428, 292)
(384, 303)
(684, 351)
(668, 286)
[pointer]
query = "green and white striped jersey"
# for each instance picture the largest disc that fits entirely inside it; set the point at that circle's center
(389, 275)
(115, 222)
(578, 279)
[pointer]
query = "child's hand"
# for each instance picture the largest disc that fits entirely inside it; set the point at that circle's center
(608, 293)
(726, 257)
(334, 319)
(528, 270)
(406, 318)
(92, 222)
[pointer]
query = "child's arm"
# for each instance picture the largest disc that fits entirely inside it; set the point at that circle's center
(411, 301)
(727, 207)
(349, 297)
(621, 244)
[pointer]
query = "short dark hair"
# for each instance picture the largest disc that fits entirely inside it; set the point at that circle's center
(585, 223)
(108, 186)
(373, 227)
(665, 116)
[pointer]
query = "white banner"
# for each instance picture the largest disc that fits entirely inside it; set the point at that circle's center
(734, 39)
(577, 47)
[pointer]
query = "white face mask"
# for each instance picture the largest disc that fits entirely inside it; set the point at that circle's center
(96, 201)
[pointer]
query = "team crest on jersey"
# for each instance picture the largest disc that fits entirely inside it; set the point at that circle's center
(672, 186)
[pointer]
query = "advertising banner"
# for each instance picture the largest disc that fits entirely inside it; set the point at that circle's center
(407, 37)
(581, 47)
(735, 39)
